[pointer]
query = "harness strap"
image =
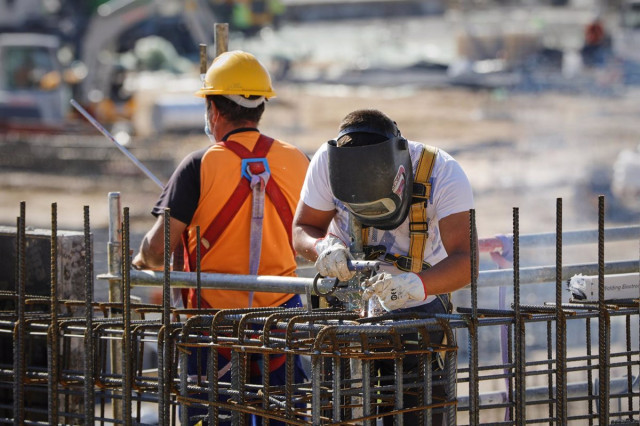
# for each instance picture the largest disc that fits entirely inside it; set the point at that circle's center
(418, 226)
(271, 186)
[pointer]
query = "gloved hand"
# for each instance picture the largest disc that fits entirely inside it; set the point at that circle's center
(394, 291)
(332, 258)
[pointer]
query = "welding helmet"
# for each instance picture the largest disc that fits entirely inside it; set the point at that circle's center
(237, 75)
(374, 181)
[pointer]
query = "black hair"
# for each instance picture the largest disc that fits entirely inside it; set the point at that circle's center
(366, 127)
(235, 113)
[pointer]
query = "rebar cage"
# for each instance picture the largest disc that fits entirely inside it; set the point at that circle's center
(87, 361)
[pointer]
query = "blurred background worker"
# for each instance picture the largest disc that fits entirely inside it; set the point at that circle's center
(597, 43)
(241, 192)
(413, 202)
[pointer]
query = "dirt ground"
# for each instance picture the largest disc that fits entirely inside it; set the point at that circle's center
(519, 150)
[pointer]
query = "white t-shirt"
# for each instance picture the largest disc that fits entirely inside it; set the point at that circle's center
(451, 193)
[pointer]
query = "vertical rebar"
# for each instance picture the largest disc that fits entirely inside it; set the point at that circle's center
(451, 379)
(337, 390)
(184, 378)
(550, 374)
(212, 378)
(398, 381)
(510, 378)
(428, 384)
(316, 385)
(89, 382)
(266, 367)
(198, 272)
(166, 320)
(519, 325)
(561, 335)
(474, 385)
(424, 364)
(19, 331)
(127, 359)
(603, 323)
(53, 332)
(239, 375)
(198, 299)
(114, 269)
(473, 250)
(629, 364)
(366, 387)
(162, 421)
(589, 371)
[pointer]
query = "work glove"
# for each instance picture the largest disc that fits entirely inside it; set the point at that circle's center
(332, 258)
(394, 291)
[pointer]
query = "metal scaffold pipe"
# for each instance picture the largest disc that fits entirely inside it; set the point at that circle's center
(298, 285)
(621, 233)
(546, 274)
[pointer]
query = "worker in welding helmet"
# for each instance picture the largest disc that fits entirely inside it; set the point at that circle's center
(369, 171)
(413, 203)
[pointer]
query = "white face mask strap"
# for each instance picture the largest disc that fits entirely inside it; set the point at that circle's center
(244, 102)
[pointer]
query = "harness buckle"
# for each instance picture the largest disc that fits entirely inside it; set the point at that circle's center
(247, 162)
(422, 227)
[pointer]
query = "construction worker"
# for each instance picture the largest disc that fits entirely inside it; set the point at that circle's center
(241, 192)
(413, 202)
(597, 43)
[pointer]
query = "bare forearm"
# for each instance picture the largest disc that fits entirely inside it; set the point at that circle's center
(304, 238)
(309, 224)
(147, 258)
(151, 255)
(451, 274)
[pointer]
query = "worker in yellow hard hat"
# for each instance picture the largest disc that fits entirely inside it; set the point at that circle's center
(241, 191)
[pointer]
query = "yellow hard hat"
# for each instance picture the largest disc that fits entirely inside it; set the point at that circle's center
(237, 73)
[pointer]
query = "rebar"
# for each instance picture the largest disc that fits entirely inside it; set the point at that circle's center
(344, 351)
(54, 331)
(604, 338)
(561, 328)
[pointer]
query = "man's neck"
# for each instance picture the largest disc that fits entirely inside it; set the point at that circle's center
(225, 128)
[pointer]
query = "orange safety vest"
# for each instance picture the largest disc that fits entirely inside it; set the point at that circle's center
(282, 193)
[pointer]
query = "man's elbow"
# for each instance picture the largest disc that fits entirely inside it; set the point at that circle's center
(152, 254)
(299, 243)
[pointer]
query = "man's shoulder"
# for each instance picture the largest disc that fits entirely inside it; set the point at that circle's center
(289, 149)
(193, 159)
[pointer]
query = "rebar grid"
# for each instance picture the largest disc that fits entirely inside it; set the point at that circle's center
(553, 385)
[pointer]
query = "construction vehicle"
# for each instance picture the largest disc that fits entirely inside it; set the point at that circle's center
(38, 99)
(33, 92)
(111, 77)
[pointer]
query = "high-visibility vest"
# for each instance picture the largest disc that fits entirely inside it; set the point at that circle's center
(255, 167)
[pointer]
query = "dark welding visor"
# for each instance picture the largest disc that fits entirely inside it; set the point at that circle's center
(374, 181)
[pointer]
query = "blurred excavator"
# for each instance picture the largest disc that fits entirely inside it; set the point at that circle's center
(93, 50)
